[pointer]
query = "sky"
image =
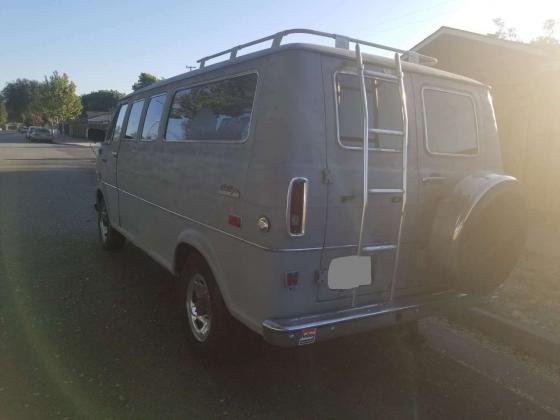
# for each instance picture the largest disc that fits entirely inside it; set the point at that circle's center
(105, 44)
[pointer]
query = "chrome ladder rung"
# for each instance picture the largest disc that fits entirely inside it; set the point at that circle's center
(380, 75)
(386, 191)
(378, 248)
(386, 132)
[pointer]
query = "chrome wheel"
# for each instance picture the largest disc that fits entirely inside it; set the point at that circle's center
(198, 307)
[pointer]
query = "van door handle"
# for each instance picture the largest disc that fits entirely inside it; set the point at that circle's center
(115, 154)
(103, 159)
(433, 179)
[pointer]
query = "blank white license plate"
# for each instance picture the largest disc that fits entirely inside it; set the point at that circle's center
(349, 272)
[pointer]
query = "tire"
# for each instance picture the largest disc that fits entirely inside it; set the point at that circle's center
(492, 243)
(208, 326)
(111, 239)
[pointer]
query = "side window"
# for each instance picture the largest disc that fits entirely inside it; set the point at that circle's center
(119, 123)
(214, 111)
(384, 111)
(134, 120)
(153, 117)
(450, 122)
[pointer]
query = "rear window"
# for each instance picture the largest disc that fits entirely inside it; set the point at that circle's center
(384, 111)
(449, 122)
(215, 111)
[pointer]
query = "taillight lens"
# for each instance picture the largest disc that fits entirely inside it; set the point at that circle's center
(297, 203)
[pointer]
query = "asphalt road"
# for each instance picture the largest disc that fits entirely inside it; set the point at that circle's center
(89, 334)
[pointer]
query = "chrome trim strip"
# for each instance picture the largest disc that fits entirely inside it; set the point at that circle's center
(109, 185)
(425, 121)
(289, 200)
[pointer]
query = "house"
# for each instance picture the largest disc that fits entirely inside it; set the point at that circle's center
(525, 82)
(92, 125)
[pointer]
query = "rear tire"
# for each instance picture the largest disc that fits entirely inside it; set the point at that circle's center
(110, 238)
(209, 327)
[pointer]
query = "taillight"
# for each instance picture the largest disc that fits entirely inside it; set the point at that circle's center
(297, 206)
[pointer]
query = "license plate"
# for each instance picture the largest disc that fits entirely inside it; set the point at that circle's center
(349, 272)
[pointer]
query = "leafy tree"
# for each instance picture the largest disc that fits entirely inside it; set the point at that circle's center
(59, 101)
(144, 79)
(22, 100)
(548, 37)
(101, 100)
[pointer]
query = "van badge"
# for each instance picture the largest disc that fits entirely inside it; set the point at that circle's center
(229, 191)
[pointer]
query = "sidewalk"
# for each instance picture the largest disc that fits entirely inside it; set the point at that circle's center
(74, 141)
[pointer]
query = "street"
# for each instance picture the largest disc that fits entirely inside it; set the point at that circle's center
(89, 334)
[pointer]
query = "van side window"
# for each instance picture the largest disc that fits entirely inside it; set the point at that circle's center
(450, 122)
(384, 111)
(119, 124)
(134, 120)
(215, 111)
(153, 117)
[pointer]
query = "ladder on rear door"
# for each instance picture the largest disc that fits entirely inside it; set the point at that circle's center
(367, 130)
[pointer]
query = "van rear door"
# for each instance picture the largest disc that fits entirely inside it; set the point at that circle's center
(450, 147)
(345, 176)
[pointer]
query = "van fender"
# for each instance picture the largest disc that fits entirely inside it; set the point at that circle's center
(203, 246)
(460, 212)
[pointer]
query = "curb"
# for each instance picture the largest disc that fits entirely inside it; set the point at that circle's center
(76, 144)
(529, 339)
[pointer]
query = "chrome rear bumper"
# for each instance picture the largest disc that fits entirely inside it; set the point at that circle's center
(290, 332)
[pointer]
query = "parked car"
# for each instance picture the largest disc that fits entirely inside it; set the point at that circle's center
(23, 129)
(39, 134)
(249, 180)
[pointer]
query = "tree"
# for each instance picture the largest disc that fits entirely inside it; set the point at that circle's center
(22, 100)
(101, 100)
(144, 79)
(502, 32)
(59, 101)
(548, 37)
(3, 113)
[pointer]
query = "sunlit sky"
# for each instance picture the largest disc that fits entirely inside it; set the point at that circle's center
(106, 44)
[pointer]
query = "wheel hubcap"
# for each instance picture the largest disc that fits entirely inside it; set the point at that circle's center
(198, 307)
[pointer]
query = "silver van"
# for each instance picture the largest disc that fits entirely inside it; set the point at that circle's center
(310, 192)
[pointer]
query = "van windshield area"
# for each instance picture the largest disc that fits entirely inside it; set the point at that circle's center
(384, 111)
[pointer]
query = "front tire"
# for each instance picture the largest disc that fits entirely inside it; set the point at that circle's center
(208, 325)
(110, 238)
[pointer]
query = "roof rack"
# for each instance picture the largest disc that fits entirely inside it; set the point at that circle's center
(341, 41)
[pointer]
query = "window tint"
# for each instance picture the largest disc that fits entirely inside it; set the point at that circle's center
(134, 120)
(384, 111)
(215, 111)
(153, 117)
(450, 122)
(119, 123)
